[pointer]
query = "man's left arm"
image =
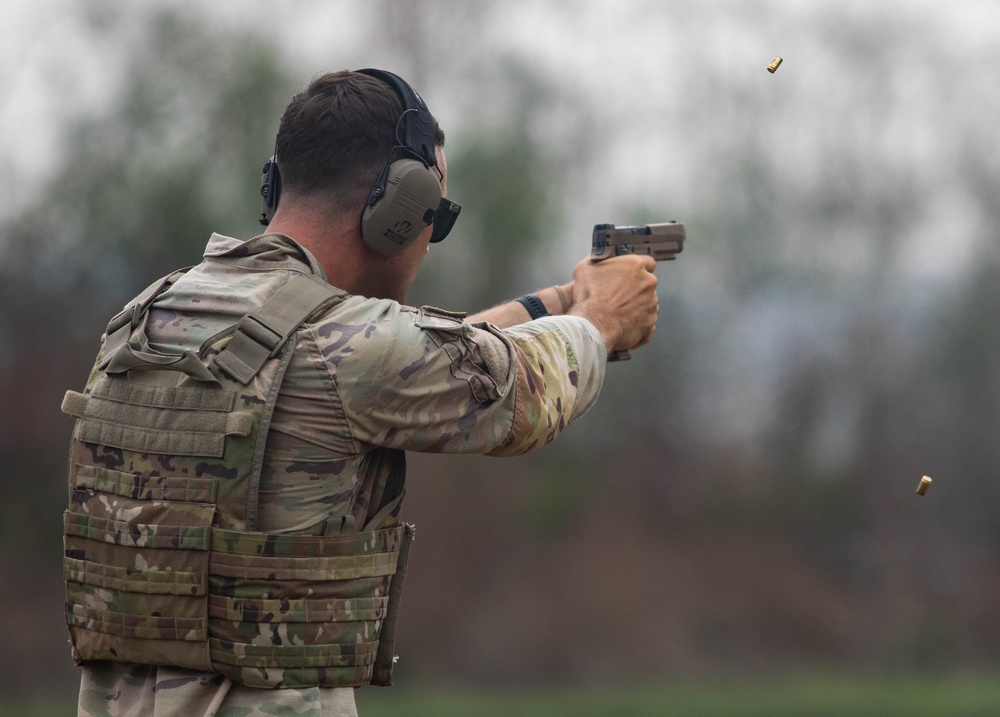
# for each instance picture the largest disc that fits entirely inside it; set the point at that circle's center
(424, 380)
(559, 364)
(556, 299)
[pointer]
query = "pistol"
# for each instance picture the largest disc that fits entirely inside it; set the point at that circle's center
(663, 242)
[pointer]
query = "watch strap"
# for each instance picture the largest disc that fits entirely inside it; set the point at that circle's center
(536, 309)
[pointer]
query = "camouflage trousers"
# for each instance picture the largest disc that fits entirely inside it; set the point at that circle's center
(110, 689)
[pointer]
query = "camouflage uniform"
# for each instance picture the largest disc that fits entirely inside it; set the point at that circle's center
(423, 380)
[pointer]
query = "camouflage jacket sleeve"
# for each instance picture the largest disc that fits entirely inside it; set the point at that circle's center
(426, 380)
(558, 364)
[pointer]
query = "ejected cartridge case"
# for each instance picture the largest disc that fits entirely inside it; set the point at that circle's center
(774, 65)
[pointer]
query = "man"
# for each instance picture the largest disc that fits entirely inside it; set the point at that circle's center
(233, 544)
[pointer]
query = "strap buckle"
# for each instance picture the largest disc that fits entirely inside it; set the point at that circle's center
(261, 332)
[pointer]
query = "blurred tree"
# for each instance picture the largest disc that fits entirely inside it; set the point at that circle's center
(507, 179)
(145, 179)
(747, 480)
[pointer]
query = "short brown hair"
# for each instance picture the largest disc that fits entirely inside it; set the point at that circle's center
(336, 136)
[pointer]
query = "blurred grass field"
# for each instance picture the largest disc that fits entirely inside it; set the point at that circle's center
(815, 698)
(826, 697)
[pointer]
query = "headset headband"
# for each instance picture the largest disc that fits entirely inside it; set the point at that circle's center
(417, 121)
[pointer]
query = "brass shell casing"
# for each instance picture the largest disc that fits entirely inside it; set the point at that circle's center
(925, 483)
(774, 64)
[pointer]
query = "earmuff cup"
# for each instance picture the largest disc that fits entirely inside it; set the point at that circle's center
(400, 207)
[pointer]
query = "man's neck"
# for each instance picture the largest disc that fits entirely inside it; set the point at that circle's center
(337, 246)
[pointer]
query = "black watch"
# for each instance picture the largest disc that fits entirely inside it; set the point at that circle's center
(536, 309)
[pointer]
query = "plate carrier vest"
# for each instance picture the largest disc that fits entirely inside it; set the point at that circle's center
(163, 565)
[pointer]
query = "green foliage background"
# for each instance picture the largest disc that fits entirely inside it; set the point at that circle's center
(740, 504)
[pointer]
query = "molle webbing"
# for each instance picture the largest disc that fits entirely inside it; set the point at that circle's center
(157, 419)
(162, 563)
(330, 617)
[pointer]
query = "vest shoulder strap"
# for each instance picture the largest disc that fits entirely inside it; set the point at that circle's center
(120, 328)
(260, 334)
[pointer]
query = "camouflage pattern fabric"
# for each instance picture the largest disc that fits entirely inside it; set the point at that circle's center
(367, 378)
(114, 689)
(161, 563)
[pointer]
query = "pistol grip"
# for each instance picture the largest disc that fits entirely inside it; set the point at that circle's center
(619, 356)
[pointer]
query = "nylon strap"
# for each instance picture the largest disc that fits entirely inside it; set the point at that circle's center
(385, 658)
(120, 328)
(260, 334)
(128, 358)
(121, 357)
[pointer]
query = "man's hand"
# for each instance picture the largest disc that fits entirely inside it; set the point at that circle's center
(618, 296)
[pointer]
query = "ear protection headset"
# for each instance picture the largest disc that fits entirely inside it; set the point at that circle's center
(406, 197)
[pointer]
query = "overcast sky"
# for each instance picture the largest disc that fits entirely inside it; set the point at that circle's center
(602, 48)
(590, 41)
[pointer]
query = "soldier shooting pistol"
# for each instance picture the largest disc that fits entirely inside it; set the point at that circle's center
(663, 242)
